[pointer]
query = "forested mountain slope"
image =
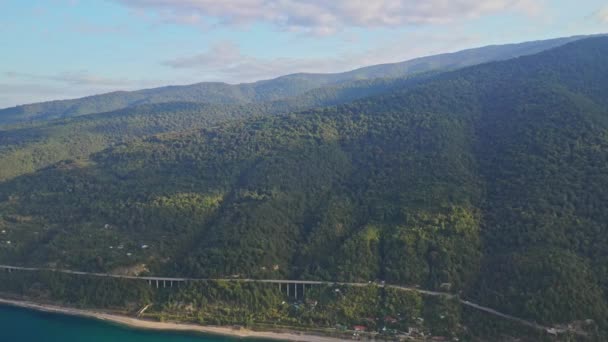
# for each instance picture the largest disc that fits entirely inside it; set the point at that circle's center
(25, 148)
(268, 90)
(490, 179)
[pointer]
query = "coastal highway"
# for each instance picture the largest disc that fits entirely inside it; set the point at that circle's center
(534, 325)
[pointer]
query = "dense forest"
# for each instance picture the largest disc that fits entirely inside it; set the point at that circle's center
(487, 180)
(25, 148)
(128, 116)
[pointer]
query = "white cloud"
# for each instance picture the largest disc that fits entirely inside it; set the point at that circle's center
(602, 15)
(90, 28)
(79, 78)
(328, 16)
(19, 88)
(221, 55)
(12, 94)
(225, 61)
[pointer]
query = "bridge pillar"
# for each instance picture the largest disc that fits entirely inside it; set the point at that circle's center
(295, 288)
(156, 283)
(287, 289)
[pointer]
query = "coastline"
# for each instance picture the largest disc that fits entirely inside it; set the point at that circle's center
(167, 326)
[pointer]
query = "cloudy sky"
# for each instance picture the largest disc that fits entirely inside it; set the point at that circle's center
(55, 49)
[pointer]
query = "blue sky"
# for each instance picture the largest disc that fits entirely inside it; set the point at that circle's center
(58, 49)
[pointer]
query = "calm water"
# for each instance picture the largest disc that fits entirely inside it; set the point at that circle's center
(21, 325)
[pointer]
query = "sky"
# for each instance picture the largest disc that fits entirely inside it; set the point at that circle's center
(58, 49)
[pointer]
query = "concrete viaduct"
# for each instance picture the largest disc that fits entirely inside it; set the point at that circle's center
(293, 288)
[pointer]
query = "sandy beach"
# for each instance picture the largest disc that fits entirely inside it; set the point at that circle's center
(165, 326)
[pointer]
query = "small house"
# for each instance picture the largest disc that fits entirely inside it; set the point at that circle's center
(389, 319)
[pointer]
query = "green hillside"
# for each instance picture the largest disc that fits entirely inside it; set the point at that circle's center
(490, 179)
(25, 148)
(268, 90)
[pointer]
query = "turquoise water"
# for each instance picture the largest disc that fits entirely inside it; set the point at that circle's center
(21, 325)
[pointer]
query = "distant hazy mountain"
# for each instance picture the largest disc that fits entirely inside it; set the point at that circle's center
(268, 90)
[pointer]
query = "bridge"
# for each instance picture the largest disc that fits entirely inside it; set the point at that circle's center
(287, 285)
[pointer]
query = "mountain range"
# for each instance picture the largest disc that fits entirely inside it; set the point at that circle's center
(123, 116)
(268, 90)
(490, 178)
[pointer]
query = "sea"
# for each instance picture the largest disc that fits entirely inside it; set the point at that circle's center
(24, 325)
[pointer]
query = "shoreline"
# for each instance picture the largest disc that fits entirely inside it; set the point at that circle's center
(167, 326)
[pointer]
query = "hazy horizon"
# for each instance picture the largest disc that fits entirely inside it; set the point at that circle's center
(68, 49)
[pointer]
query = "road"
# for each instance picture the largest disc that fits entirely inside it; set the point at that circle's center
(491, 311)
